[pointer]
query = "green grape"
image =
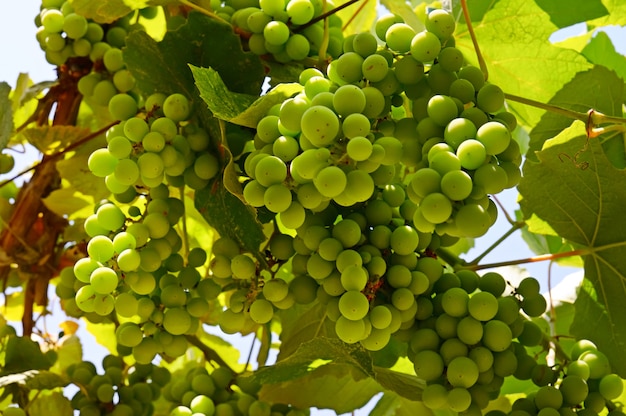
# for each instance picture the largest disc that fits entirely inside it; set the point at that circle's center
(145, 352)
(582, 346)
(450, 59)
(574, 390)
(276, 33)
(483, 306)
(490, 98)
(462, 89)
(100, 248)
(425, 46)
(408, 70)
(350, 331)
(330, 181)
(425, 182)
(270, 170)
(470, 330)
(428, 365)
(598, 363)
(462, 372)
(483, 357)
(261, 311)
(398, 37)
(349, 99)
(110, 217)
(102, 163)
(456, 185)
(494, 136)
(320, 125)
(611, 386)
(277, 198)
(472, 154)
(474, 75)
(122, 79)
(129, 334)
(531, 334)
(535, 305)
(441, 23)
(436, 208)
(404, 240)
(353, 305)
(176, 107)
(359, 148)
(472, 220)
(380, 317)
(122, 106)
(548, 396)
(153, 142)
(374, 102)
(103, 280)
(504, 363)
(459, 130)
(383, 23)
(441, 109)
(375, 67)
(444, 162)
(455, 302)
(403, 299)
(497, 335)
(176, 321)
(347, 69)
(243, 267)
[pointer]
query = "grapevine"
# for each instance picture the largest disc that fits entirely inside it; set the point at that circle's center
(310, 175)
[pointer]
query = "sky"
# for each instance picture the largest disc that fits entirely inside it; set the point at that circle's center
(20, 52)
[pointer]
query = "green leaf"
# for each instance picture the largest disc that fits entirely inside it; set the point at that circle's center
(360, 14)
(230, 216)
(74, 170)
(601, 51)
(576, 11)
(52, 139)
(104, 335)
(325, 373)
(241, 109)
(586, 206)
(202, 42)
(405, 385)
(23, 354)
(403, 9)
(512, 36)
(69, 351)
(597, 88)
(542, 239)
(301, 325)
(391, 404)
(616, 15)
(6, 115)
(51, 403)
(107, 11)
(224, 349)
(67, 201)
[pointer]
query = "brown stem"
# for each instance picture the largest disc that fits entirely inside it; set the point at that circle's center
(324, 16)
(535, 259)
(470, 29)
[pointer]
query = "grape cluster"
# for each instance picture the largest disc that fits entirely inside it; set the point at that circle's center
(120, 390)
(584, 386)
(196, 391)
(282, 29)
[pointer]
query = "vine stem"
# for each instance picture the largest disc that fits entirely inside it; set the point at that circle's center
(55, 156)
(514, 227)
(508, 216)
(535, 259)
(470, 29)
(201, 10)
(324, 15)
(209, 353)
(184, 221)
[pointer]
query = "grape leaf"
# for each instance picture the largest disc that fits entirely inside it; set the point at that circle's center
(110, 10)
(104, 333)
(324, 373)
(601, 51)
(203, 42)
(390, 404)
(23, 354)
(513, 37)
(6, 115)
(404, 10)
(69, 351)
(616, 15)
(50, 403)
(241, 109)
(301, 325)
(405, 385)
(357, 16)
(52, 139)
(75, 171)
(576, 11)
(34, 380)
(585, 206)
(68, 201)
(230, 216)
(597, 88)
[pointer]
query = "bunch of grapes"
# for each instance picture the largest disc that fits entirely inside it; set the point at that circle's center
(584, 385)
(119, 391)
(282, 29)
(196, 391)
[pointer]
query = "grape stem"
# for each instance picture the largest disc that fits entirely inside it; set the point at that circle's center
(470, 29)
(55, 156)
(324, 16)
(184, 222)
(514, 227)
(535, 259)
(209, 354)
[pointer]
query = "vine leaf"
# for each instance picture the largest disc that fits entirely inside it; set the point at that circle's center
(241, 109)
(581, 11)
(365, 17)
(404, 10)
(23, 354)
(585, 206)
(302, 325)
(50, 403)
(598, 88)
(601, 51)
(392, 404)
(513, 37)
(107, 11)
(6, 115)
(34, 380)
(51, 139)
